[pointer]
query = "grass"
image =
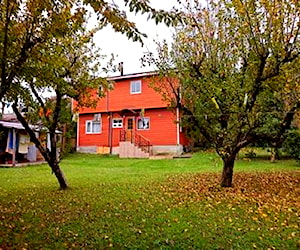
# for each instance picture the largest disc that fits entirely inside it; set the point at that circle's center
(157, 204)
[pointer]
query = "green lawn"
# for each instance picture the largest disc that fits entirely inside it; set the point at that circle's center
(157, 204)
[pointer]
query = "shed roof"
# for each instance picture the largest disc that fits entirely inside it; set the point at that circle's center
(18, 125)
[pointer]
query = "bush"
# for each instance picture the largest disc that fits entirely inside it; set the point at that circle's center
(291, 145)
(250, 153)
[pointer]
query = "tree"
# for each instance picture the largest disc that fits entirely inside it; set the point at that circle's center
(291, 144)
(232, 72)
(45, 45)
(68, 66)
(25, 25)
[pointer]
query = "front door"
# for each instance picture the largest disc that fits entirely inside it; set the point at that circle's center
(129, 127)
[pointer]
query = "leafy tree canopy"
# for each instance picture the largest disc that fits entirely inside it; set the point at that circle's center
(27, 25)
(45, 45)
(236, 65)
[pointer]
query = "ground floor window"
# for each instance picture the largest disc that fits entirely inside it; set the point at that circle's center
(117, 123)
(143, 123)
(93, 127)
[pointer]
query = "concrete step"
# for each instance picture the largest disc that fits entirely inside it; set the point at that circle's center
(129, 150)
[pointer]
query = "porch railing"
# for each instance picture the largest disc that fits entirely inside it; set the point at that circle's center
(135, 138)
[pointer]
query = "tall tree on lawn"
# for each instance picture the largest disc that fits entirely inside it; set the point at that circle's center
(236, 65)
(45, 45)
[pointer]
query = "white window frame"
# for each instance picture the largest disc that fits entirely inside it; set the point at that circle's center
(117, 125)
(91, 122)
(136, 87)
(137, 123)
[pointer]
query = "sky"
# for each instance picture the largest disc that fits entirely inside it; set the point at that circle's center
(130, 52)
(127, 51)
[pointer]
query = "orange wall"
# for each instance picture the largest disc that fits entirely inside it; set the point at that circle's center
(162, 129)
(100, 139)
(120, 98)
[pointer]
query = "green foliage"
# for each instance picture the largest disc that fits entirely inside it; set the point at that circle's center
(30, 27)
(250, 153)
(137, 204)
(68, 66)
(46, 46)
(169, 18)
(232, 71)
(291, 144)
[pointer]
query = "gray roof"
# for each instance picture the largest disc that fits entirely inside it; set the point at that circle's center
(18, 125)
(134, 75)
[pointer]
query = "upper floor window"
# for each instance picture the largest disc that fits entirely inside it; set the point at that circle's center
(117, 123)
(136, 87)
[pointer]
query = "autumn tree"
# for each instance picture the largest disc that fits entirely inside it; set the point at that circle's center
(66, 67)
(45, 46)
(25, 25)
(236, 70)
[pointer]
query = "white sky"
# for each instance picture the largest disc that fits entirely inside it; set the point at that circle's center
(128, 51)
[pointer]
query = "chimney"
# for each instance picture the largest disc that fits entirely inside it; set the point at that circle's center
(121, 68)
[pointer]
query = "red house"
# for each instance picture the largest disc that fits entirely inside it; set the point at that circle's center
(131, 120)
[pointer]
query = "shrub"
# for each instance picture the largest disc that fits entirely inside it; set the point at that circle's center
(291, 145)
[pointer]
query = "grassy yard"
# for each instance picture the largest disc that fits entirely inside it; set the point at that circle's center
(157, 204)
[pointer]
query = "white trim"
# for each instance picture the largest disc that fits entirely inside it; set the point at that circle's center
(91, 122)
(134, 84)
(115, 119)
(137, 123)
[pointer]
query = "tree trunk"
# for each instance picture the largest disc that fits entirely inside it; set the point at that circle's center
(273, 156)
(50, 158)
(59, 174)
(228, 164)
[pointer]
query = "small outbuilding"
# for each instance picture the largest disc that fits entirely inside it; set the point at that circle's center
(16, 148)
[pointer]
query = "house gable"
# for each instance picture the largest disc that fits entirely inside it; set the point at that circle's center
(122, 97)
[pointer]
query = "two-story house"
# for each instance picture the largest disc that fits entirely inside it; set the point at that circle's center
(131, 120)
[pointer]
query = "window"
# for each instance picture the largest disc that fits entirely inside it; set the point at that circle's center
(117, 123)
(143, 123)
(135, 87)
(93, 127)
(130, 124)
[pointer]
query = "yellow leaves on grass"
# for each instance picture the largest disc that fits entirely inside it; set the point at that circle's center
(275, 189)
(258, 197)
